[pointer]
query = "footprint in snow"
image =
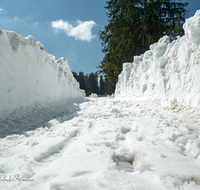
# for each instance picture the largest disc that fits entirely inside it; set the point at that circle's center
(121, 135)
(125, 160)
(130, 162)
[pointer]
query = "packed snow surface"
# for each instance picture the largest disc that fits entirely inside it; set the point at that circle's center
(103, 144)
(168, 71)
(29, 77)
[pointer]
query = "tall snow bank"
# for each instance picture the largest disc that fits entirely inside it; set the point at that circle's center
(29, 76)
(168, 71)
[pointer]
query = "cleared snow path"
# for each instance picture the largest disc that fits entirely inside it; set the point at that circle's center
(103, 143)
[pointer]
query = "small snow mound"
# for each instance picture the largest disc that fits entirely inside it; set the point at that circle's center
(115, 110)
(125, 130)
(93, 95)
(26, 172)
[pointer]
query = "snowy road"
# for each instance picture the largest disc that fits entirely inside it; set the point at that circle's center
(103, 143)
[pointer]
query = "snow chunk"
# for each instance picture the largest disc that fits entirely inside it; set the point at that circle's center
(93, 95)
(115, 110)
(40, 45)
(30, 39)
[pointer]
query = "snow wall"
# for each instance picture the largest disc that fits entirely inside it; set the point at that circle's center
(169, 71)
(31, 77)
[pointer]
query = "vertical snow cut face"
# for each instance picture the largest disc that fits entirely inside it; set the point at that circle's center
(169, 71)
(29, 76)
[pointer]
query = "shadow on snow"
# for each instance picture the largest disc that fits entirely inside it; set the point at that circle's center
(33, 118)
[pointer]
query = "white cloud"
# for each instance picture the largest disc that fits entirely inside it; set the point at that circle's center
(3, 11)
(81, 32)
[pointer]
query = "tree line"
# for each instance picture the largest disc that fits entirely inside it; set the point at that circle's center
(132, 26)
(91, 83)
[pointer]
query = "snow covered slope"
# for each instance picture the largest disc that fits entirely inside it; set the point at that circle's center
(31, 77)
(168, 71)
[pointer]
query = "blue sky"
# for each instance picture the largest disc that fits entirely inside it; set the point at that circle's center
(66, 28)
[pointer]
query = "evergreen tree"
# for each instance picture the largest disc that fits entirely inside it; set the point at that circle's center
(82, 81)
(133, 26)
(101, 86)
(109, 88)
(75, 76)
(92, 84)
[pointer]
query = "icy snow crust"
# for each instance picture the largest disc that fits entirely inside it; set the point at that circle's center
(168, 71)
(29, 77)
